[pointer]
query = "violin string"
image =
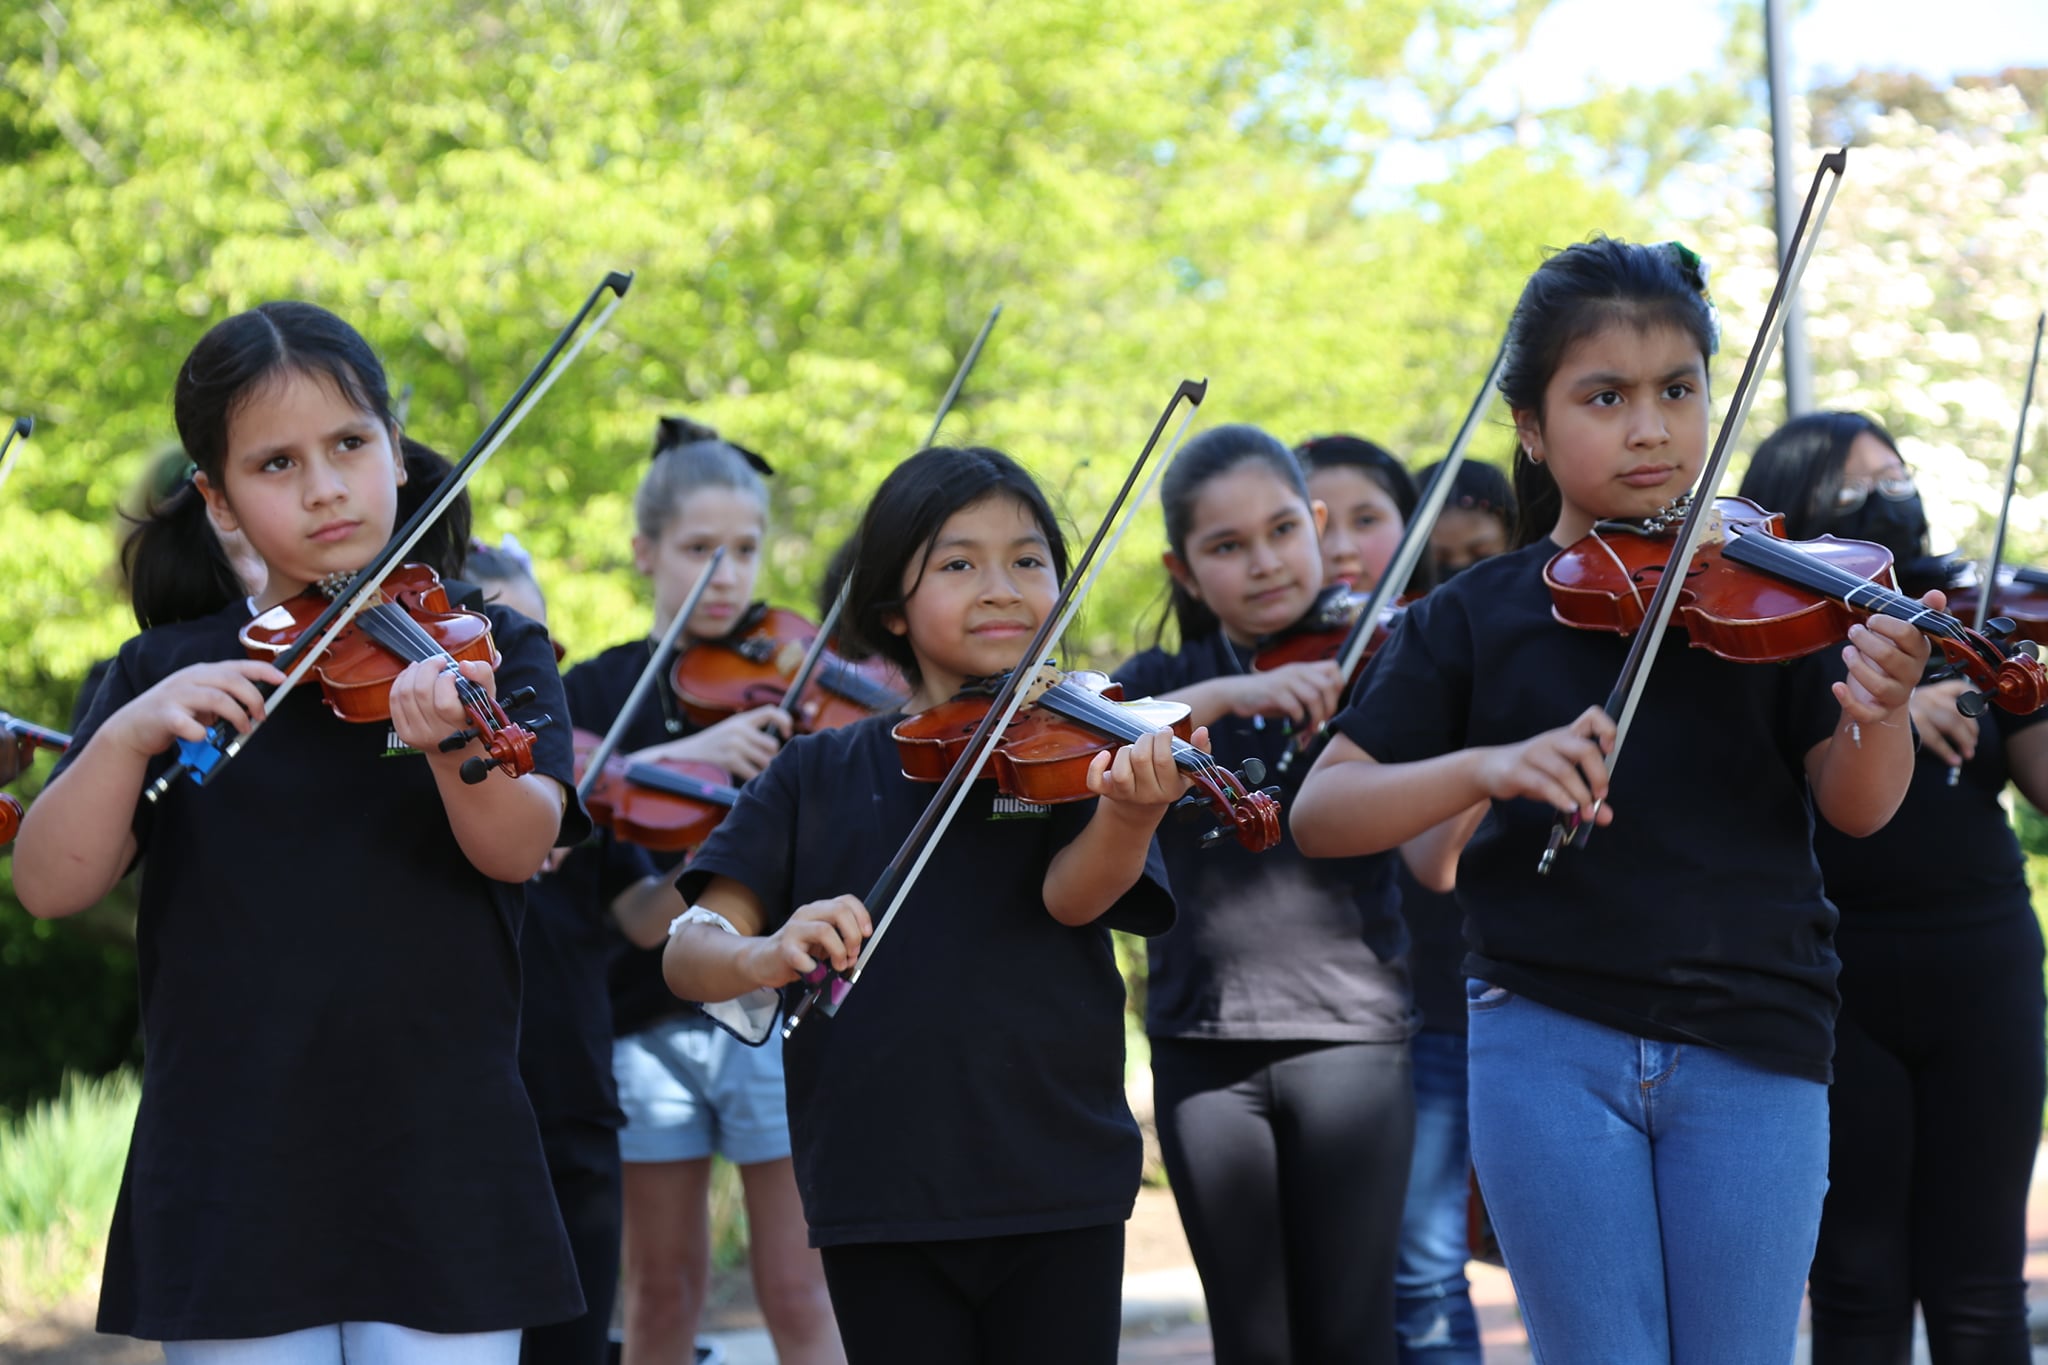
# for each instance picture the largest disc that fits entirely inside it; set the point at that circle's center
(393, 627)
(1769, 553)
(1083, 704)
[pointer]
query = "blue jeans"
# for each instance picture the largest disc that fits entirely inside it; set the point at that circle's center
(1655, 1201)
(1433, 1316)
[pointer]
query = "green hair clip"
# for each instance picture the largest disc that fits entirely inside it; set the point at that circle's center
(1694, 271)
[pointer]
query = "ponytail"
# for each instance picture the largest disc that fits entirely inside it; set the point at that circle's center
(174, 564)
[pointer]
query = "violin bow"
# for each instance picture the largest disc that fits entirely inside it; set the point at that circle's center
(18, 430)
(2012, 474)
(828, 989)
(1642, 652)
(641, 685)
(1414, 540)
(201, 759)
(815, 655)
(38, 736)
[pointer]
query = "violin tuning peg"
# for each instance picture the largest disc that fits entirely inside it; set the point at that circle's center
(2028, 648)
(1252, 773)
(456, 741)
(1971, 704)
(475, 770)
(523, 697)
(2000, 627)
(1214, 837)
(540, 722)
(1189, 807)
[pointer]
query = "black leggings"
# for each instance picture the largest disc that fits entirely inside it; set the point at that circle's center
(583, 1161)
(1289, 1161)
(1935, 1116)
(1032, 1299)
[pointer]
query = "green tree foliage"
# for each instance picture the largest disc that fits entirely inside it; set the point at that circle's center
(821, 200)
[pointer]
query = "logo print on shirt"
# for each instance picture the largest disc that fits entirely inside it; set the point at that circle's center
(394, 747)
(1016, 808)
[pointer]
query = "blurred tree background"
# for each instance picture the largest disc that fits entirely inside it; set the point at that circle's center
(821, 201)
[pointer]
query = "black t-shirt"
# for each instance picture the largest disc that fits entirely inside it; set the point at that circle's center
(1698, 915)
(565, 1038)
(972, 1084)
(81, 706)
(1949, 857)
(332, 1125)
(597, 690)
(1268, 945)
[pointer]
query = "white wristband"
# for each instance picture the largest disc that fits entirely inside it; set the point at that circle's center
(751, 1018)
(697, 914)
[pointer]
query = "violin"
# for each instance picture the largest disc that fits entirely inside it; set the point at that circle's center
(1325, 630)
(25, 738)
(410, 621)
(668, 805)
(761, 662)
(1752, 596)
(1044, 755)
(2021, 598)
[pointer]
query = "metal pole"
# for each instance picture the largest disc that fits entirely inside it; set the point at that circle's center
(1785, 200)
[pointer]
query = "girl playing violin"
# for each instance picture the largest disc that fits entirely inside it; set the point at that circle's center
(334, 1158)
(1933, 1124)
(1651, 1022)
(1370, 496)
(688, 1090)
(965, 1153)
(1278, 1008)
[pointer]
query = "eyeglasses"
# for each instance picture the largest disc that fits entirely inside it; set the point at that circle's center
(1893, 487)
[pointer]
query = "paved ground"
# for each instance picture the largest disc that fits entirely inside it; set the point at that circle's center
(1162, 1308)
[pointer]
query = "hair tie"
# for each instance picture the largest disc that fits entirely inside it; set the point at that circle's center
(1694, 272)
(670, 432)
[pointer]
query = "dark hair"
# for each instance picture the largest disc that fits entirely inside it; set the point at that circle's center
(445, 546)
(1476, 487)
(189, 575)
(845, 644)
(903, 521)
(1384, 468)
(173, 561)
(1378, 463)
(1575, 294)
(1798, 469)
(1215, 452)
(688, 456)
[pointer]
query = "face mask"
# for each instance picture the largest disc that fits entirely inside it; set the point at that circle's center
(1898, 524)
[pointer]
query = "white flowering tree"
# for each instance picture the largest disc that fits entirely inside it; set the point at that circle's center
(1921, 296)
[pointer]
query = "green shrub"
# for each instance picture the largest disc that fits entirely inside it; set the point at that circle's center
(60, 1170)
